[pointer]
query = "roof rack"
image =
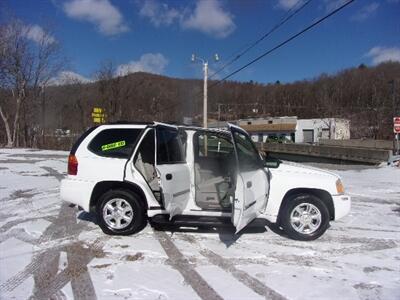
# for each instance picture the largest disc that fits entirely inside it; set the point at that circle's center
(129, 123)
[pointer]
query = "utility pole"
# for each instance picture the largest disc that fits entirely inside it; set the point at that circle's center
(205, 71)
(219, 113)
(205, 116)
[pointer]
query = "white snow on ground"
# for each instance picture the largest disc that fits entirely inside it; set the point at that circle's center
(48, 249)
(382, 182)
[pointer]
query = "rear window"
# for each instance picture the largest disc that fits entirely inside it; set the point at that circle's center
(118, 143)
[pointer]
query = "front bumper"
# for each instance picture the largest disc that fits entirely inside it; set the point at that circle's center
(342, 205)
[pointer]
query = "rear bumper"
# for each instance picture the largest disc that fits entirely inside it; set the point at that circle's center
(342, 205)
(77, 192)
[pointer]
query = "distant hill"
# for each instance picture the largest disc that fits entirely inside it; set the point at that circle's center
(365, 95)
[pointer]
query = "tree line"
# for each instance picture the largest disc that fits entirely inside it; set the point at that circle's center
(31, 108)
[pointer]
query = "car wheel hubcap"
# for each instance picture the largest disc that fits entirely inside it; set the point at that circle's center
(305, 218)
(118, 213)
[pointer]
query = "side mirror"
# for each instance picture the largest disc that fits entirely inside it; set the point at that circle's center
(272, 163)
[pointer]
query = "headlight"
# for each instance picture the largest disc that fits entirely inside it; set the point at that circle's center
(339, 186)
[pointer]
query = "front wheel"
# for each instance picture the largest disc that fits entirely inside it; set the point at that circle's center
(120, 212)
(304, 217)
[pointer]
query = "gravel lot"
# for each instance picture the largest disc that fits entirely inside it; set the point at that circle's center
(51, 250)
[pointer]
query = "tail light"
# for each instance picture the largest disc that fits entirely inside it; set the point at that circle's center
(72, 165)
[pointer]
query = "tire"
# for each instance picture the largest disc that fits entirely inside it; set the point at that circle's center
(304, 217)
(124, 206)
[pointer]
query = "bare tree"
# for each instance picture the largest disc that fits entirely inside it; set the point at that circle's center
(29, 58)
(109, 89)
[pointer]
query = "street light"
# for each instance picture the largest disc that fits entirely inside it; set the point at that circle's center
(205, 70)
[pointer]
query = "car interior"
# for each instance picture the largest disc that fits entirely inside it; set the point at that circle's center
(214, 169)
(145, 163)
(214, 166)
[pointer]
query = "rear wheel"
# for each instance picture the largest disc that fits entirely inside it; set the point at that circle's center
(304, 217)
(120, 212)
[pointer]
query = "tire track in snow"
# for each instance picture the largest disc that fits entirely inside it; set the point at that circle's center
(178, 261)
(48, 282)
(228, 266)
(249, 281)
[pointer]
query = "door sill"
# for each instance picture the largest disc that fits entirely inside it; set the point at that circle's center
(192, 221)
(228, 210)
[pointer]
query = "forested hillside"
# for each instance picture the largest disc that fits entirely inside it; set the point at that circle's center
(368, 96)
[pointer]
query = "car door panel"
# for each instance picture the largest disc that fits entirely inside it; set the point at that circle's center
(172, 170)
(175, 185)
(252, 181)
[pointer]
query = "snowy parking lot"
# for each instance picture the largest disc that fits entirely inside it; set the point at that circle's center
(49, 249)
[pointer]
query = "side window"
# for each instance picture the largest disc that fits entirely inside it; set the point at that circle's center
(170, 148)
(248, 156)
(213, 145)
(117, 143)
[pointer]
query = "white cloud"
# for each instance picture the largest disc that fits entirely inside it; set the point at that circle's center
(209, 17)
(149, 62)
(331, 5)
(288, 4)
(365, 12)
(102, 13)
(159, 13)
(68, 77)
(382, 54)
(38, 35)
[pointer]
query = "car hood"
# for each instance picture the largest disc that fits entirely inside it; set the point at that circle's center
(299, 169)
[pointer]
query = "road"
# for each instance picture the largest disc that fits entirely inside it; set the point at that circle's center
(51, 250)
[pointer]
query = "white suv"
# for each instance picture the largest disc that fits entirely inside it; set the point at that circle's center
(129, 173)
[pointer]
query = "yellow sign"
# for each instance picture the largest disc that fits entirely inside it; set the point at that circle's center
(97, 110)
(98, 115)
(99, 120)
(113, 145)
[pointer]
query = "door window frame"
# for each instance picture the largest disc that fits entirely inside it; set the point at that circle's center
(234, 129)
(198, 133)
(183, 147)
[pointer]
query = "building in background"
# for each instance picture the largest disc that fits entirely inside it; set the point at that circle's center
(312, 130)
(270, 129)
(290, 129)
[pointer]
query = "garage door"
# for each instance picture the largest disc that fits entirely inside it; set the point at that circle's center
(308, 135)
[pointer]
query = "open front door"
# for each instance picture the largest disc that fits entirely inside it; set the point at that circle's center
(172, 170)
(252, 183)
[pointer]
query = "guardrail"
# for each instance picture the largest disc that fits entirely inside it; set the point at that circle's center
(359, 143)
(350, 154)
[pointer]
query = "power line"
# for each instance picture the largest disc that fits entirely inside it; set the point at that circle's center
(283, 43)
(286, 18)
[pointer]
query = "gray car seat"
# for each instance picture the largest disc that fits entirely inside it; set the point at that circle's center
(212, 192)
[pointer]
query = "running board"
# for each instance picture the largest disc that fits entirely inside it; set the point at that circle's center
(192, 221)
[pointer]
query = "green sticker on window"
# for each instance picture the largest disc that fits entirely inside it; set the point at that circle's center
(113, 146)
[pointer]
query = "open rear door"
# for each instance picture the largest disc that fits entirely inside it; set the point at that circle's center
(252, 184)
(172, 170)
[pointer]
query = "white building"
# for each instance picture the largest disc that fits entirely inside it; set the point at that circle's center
(270, 128)
(312, 130)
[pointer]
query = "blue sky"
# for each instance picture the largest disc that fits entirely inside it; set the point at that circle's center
(159, 36)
